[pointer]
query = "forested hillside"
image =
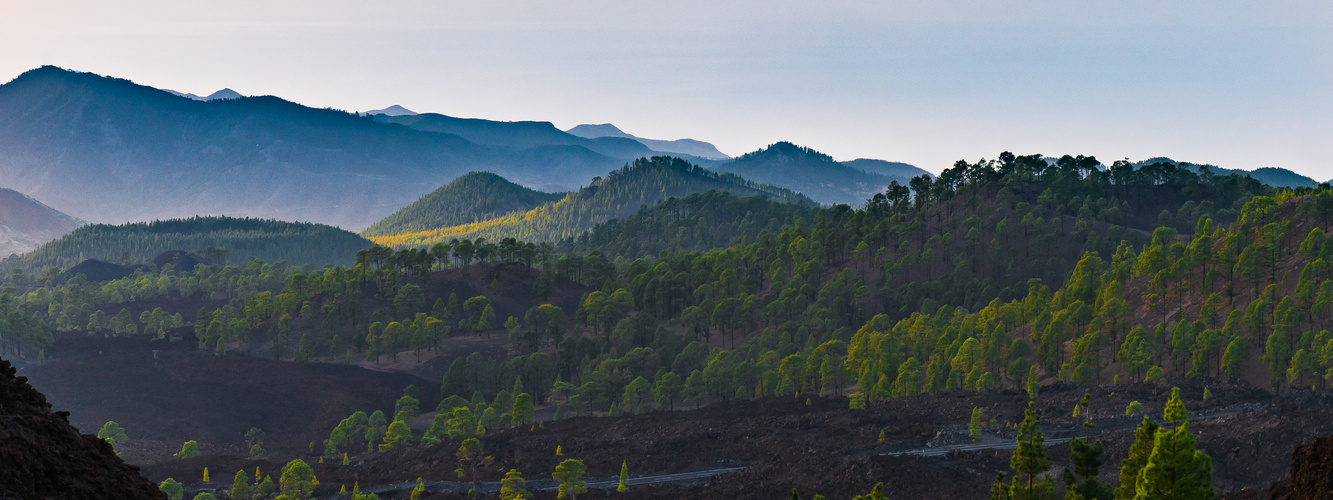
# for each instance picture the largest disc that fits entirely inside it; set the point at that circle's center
(698, 222)
(1004, 275)
(238, 240)
(812, 173)
(644, 182)
(473, 197)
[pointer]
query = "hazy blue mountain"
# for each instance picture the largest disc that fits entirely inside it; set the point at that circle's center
(221, 94)
(394, 110)
(892, 169)
(689, 147)
(109, 150)
(1273, 176)
(809, 172)
(520, 134)
(26, 224)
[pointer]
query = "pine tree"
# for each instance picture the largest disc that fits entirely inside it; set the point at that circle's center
(1175, 470)
(511, 487)
(297, 481)
(240, 486)
(1085, 456)
(188, 450)
(624, 477)
(522, 409)
(206, 479)
(1031, 459)
(998, 490)
(875, 494)
(974, 425)
(570, 476)
(172, 489)
(1033, 384)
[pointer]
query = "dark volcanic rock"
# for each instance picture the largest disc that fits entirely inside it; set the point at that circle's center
(180, 260)
(1312, 470)
(43, 456)
(98, 270)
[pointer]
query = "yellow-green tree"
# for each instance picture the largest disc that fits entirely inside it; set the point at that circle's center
(570, 476)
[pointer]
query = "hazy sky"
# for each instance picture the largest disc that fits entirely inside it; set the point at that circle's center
(1240, 84)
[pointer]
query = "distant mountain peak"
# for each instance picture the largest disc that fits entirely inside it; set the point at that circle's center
(784, 148)
(690, 147)
(224, 94)
(221, 94)
(394, 110)
(593, 131)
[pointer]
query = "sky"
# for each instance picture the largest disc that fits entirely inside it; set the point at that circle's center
(1238, 84)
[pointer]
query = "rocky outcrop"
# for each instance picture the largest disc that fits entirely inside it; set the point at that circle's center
(43, 456)
(1312, 471)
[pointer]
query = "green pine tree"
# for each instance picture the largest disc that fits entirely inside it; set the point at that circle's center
(974, 425)
(240, 486)
(1030, 460)
(570, 476)
(1032, 384)
(1175, 470)
(1132, 465)
(511, 487)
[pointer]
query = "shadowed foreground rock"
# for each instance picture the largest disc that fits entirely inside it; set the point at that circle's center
(43, 456)
(1312, 471)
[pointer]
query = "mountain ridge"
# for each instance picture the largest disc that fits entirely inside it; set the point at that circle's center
(643, 182)
(811, 173)
(88, 143)
(690, 147)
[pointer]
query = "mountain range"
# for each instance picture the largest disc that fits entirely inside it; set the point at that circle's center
(26, 224)
(688, 147)
(108, 150)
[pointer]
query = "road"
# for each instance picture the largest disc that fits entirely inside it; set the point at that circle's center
(944, 450)
(541, 484)
(1009, 445)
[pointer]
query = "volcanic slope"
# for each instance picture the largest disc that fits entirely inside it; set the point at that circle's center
(297, 243)
(644, 182)
(26, 224)
(45, 457)
(165, 393)
(473, 197)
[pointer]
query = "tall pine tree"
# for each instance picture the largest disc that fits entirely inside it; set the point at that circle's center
(1030, 460)
(1175, 470)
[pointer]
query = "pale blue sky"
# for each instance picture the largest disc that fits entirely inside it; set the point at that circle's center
(1241, 84)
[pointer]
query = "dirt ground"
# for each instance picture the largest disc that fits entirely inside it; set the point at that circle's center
(828, 449)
